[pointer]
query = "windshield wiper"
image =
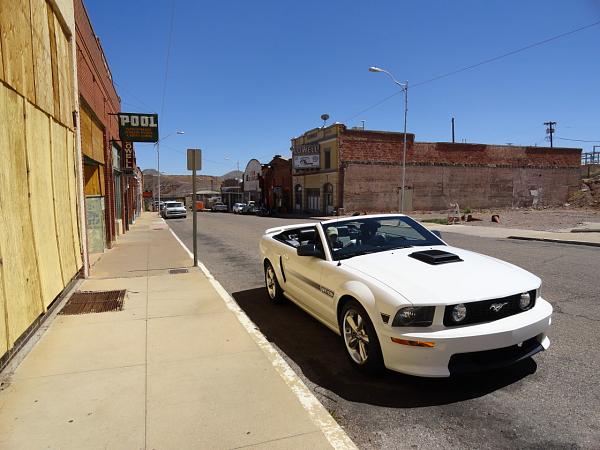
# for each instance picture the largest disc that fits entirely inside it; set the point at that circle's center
(362, 252)
(400, 246)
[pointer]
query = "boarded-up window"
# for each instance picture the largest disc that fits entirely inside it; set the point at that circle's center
(97, 142)
(92, 179)
(42, 56)
(17, 55)
(92, 137)
(39, 237)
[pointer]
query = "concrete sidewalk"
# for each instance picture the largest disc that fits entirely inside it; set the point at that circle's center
(589, 238)
(180, 367)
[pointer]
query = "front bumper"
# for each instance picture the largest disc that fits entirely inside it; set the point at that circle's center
(173, 215)
(471, 347)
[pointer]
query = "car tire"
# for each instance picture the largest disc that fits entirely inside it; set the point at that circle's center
(274, 291)
(360, 338)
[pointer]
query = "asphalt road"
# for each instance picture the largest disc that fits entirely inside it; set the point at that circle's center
(549, 402)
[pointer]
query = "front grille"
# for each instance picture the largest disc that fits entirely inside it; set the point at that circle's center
(478, 312)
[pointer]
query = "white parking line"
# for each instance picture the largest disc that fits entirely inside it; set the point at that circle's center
(334, 433)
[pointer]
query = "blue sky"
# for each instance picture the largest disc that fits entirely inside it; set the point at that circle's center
(244, 77)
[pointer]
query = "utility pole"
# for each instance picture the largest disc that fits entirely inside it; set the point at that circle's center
(453, 130)
(550, 130)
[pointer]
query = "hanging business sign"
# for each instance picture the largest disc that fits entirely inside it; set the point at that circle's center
(128, 161)
(136, 127)
(307, 156)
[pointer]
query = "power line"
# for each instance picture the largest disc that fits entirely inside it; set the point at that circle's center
(164, 90)
(481, 63)
(514, 52)
(576, 140)
(131, 94)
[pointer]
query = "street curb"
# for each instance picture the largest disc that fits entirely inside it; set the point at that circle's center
(334, 433)
(558, 241)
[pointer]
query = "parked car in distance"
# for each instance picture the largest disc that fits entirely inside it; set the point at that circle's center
(157, 206)
(401, 298)
(250, 208)
(219, 207)
(174, 209)
(238, 208)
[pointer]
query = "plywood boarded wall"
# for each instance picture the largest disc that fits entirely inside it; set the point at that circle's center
(40, 246)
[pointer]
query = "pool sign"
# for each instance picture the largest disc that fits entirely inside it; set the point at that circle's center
(136, 127)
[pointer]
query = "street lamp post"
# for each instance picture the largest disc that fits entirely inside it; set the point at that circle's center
(157, 145)
(404, 87)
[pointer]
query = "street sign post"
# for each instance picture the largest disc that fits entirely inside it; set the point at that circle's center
(194, 162)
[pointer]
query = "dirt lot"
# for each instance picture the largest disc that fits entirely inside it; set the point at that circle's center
(552, 219)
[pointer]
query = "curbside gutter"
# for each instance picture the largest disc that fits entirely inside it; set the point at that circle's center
(557, 241)
(334, 433)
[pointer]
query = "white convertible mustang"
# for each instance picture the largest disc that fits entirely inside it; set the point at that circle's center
(401, 298)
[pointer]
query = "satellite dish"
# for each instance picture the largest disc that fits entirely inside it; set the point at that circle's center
(325, 117)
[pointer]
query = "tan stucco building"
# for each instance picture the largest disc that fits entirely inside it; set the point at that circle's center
(315, 170)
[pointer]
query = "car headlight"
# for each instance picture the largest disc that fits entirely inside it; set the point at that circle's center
(414, 316)
(525, 301)
(459, 312)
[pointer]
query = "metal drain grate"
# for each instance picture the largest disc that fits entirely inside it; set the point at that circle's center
(85, 302)
(176, 271)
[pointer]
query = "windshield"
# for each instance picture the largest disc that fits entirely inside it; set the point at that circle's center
(174, 205)
(348, 238)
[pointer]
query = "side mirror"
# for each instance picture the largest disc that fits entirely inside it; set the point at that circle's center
(309, 250)
(437, 233)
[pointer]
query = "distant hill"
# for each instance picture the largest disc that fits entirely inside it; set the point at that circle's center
(175, 185)
(233, 174)
(179, 185)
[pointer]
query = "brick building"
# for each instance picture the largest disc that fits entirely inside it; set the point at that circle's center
(276, 184)
(109, 207)
(360, 170)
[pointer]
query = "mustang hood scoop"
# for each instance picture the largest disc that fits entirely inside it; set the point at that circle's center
(435, 257)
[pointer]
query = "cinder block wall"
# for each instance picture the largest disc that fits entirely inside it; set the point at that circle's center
(437, 174)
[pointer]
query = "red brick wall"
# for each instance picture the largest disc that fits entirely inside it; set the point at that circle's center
(97, 90)
(278, 174)
(437, 174)
(373, 146)
(374, 187)
(443, 153)
(358, 145)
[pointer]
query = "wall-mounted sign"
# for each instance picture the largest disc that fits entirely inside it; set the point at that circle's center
(136, 127)
(307, 156)
(128, 161)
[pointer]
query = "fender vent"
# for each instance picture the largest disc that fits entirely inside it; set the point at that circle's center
(435, 257)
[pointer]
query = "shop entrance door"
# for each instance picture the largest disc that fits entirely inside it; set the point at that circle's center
(313, 198)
